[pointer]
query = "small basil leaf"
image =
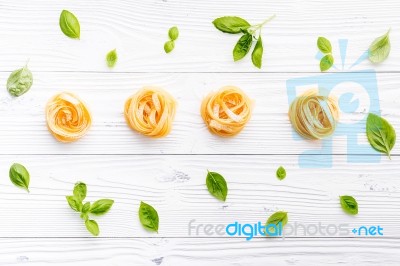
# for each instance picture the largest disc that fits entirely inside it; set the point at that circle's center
(230, 24)
(381, 134)
(19, 176)
(349, 204)
(275, 219)
(217, 185)
(69, 25)
(242, 47)
(19, 81)
(80, 191)
(100, 207)
(379, 49)
(74, 203)
(111, 58)
(86, 207)
(324, 45)
(326, 62)
(92, 227)
(281, 173)
(173, 33)
(169, 46)
(256, 56)
(148, 217)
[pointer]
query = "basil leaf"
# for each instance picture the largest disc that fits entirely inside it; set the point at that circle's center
(92, 227)
(173, 33)
(80, 191)
(349, 204)
(276, 218)
(74, 203)
(381, 134)
(242, 47)
(69, 25)
(216, 185)
(230, 24)
(281, 173)
(256, 56)
(324, 45)
(169, 46)
(100, 207)
(19, 176)
(19, 81)
(86, 207)
(111, 58)
(326, 62)
(379, 49)
(148, 217)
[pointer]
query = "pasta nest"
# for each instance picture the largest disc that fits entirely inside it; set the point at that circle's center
(226, 111)
(150, 111)
(67, 117)
(314, 116)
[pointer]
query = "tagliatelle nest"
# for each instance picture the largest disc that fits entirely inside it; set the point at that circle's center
(67, 117)
(314, 116)
(150, 111)
(226, 111)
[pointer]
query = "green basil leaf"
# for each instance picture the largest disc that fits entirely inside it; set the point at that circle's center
(173, 33)
(69, 25)
(217, 185)
(256, 56)
(80, 191)
(100, 207)
(92, 227)
(74, 203)
(276, 218)
(148, 217)
(349, 204)
(111, 58)
(381, 134)
(19, 176)
(324, 45)
(326, 62)
(86, 207)
(281, 173)
(242, 47)
(379, 49)
(84, 216)
(230, 24)
(19, 81)
(169, 46)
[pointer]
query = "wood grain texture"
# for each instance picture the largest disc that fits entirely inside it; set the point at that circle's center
(23, 129)
(138, 29)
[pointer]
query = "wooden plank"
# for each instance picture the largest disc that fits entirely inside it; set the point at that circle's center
(138, 29)
(175, 186)
(23, 129)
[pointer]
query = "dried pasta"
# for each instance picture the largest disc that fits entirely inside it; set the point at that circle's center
(150, 111)
(67, 117)
(314, 116)
(226, 111)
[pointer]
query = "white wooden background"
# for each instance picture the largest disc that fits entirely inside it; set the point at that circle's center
(40, 229)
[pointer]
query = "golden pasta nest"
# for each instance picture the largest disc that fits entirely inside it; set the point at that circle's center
(226, 111)
(150, 111)
(314, 116)
(67, 117)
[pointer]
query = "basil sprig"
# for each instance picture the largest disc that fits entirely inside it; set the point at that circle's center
(324, 45)
(19, 176)
(148, 217)
(381, 134)
(349, 204)
(237, 25)
(173, 34)
(99, 207)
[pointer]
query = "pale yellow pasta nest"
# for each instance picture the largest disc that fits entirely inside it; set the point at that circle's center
(67, 117)
(150, 111)
(226, 111)
(314, 116)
